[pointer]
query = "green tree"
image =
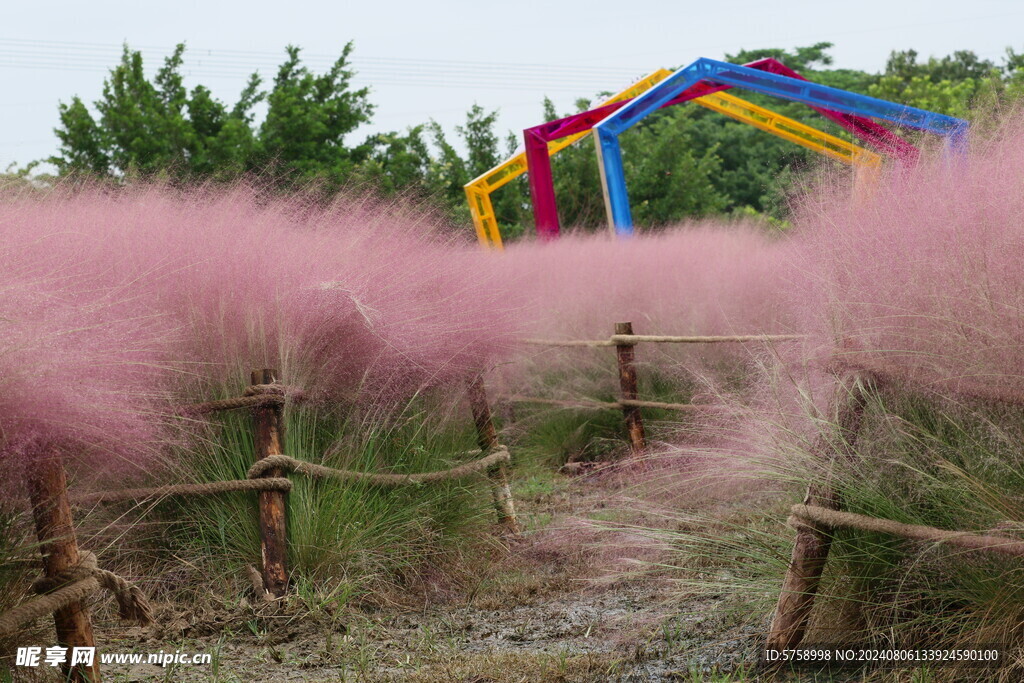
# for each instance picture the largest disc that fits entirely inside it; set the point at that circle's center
(302, 138)
(397, 163)
(155, 128)
(448, 173)
(83, 144)
(483, 153)
(961, 84)
(480, 139)
(670, 178)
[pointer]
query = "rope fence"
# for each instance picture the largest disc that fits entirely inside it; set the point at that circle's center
(205, 489)
(633, 339)
(256, 482)
(821, 508)
(624, 342)
(62, 592)
(618, 405)
(74, 585)
(255, 396)
(836, 519)
(284, 462)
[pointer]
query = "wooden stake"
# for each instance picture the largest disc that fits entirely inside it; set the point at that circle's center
(487, 438)
(268, 426)
(811, 547)
(628, 385)
(47, 488)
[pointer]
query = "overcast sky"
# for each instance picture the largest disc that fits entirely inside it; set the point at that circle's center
(435, 59)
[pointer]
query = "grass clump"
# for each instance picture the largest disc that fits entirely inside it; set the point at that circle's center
(345, 539)
(919, 459)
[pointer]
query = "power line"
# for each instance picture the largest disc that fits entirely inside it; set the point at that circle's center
(572, 87)
(74, 56)
(273, 55)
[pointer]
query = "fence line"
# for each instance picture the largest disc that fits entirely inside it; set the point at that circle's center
(601, 405)
(255, 482)
(71, 575)
(631, 339)
(624, 342)
(205, 489)
(821, 509)
(829, 518)
(72, 586)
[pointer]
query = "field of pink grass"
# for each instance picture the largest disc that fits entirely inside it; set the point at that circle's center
(701, 278)
(924, 278)
(119, 305)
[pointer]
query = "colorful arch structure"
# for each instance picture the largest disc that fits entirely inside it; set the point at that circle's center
(545, 208)
(478, 191)
(715, 74)
(542, 190)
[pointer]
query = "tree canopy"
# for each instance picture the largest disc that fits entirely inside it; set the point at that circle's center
(302, 130)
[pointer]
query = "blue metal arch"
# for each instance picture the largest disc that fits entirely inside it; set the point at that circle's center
(606, 133)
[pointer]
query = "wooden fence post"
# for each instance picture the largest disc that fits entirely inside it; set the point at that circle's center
(487, 438)
(47, 488)
(811, 547)
(628, 385)
(268, 426)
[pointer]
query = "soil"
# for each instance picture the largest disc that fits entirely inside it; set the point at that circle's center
(559, 604)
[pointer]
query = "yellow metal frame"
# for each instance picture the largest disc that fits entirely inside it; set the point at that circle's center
(788, 129)
(478, 191)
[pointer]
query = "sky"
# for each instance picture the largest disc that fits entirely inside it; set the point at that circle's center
(433, 60)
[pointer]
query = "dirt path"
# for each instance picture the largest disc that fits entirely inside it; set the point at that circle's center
(554, 607)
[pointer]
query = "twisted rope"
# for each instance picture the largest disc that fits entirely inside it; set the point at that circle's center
(102, 497)
(255, 396)
(568, 342)
(256, 481)
(714, 339)
(632, 339)
(802, 514)
(621, 403)
(290, 464)
(75, 584)
(231, 404)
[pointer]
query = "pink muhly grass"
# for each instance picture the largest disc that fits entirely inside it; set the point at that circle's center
(693, 279)
(166, 294)
(920, 278)
(328, 293)
(79, 375)
(925, 275)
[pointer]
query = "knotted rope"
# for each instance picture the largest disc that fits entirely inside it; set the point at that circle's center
(74, 584)
(287, 463)
(827, 517)
(254, 396)
(621, 403)
(256, 481)
(81, 581)
(269, 484)
(633, 339)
